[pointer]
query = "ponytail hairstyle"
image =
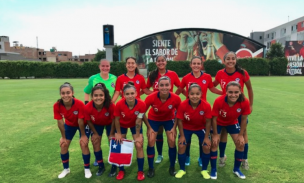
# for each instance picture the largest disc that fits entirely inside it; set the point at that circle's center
(102, 87)
(194, 85)
(164, 78)
(66, 84)
(237, 67)
(130, 84)
(153, 74)
(234, 83)
(136, 70)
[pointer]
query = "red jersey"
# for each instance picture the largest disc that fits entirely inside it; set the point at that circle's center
(171, 74)
(138, 80)
(224, 78)
(70, 116)
(229, 115)
(194, 119)
(162, 111)
(204, 81)
(103, 117)
(128, 116)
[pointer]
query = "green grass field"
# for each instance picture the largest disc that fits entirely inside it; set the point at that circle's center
(29, 138)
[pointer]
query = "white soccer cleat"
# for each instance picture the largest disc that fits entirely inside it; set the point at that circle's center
(159, 159)
(239, 174)
(245, 164)
(64, 173)
(87, 173)
(222, 161)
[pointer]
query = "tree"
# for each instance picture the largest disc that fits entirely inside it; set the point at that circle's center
(101, 54)
(276, 50)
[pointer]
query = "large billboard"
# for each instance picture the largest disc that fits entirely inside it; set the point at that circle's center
(182, 44)
(294, 52)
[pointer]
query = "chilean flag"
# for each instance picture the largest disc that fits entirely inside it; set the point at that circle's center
(121, 154)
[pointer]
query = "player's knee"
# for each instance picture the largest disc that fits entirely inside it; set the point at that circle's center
(83, 145)
(181, 146)
(240, 147)
(138, 146)
(206, 150)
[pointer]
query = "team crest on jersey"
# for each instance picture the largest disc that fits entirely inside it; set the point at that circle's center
(112, 85)
(92, 117)
(123, 114)
(155, 109)
(202, 113)
(204, 81)
(136, 112)
(62, 115)
(106, 114)
(75, 112)
(239, 110)
(137, 82)
(237, 79)
(170, 106)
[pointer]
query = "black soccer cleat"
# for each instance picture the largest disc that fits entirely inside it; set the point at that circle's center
(151, 172)
(113, 171)
(172, 171)
(100, 171)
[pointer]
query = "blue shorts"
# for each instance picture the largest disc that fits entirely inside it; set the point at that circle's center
(240, 119)
(71, 130)
(168, 125)
(231, 129)
(199, 133)
(133, 130)
(100, 128)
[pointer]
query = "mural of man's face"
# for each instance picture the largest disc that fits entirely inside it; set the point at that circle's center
(205, 39)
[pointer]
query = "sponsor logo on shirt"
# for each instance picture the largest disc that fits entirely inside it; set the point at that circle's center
(75, 112)
(239, 110)
(112, 85)
(237, 79)
(204, 81)
(136, 112)
(170, 106)
(106, 114)
(201, 113)
(137, 82)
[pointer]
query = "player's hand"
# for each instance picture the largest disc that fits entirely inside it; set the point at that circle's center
(182, 140)
(118, 138)
(84, 140)
(150, 132)
(215, 139)
(112, 135)
(95, 138)
(173, 133)
(207, 142)
(63, 142)
(240, 140)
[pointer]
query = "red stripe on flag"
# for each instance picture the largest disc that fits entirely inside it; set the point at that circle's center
(120, 158)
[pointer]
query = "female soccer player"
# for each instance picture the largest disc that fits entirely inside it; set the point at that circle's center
(99, 114)
(128, 113)
(226, 110)
(232, 72)
(131, 75)
(153, 78)
(72, 110)
(163, 105)
(204, 80)
(194, 115)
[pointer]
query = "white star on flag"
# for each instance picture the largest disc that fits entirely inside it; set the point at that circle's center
(114, 146)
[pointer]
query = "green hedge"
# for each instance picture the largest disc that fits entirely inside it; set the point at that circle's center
(212, 66)
(180, 67)
(278, 66)
(17, 69)
(255, 66)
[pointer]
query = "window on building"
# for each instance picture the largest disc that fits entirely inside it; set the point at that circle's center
(44, 59)
(302, 24)
(39, 53)
(86, 60)
(296, 27)
(0, 46)
(260, 37)
(81, 60)
(267, 35)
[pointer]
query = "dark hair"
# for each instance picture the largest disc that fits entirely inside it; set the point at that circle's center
(65, 84)
(194, 85)
(234, 83)
(164, 78)
(130, 84)
(153, 74)
(102, 87)
(194, 57)
(237, 67)
(136, 70)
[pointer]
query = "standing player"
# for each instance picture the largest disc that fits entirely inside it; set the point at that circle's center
(226, 111)
(163, 105)
(152, 81)
(131, 75)
(204, 80)
(194, 115)
(103, 77)
(72, 110)
(129, 112)
(232, 72)
(99, 114)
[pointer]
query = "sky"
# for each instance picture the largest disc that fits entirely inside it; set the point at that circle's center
(76, 25)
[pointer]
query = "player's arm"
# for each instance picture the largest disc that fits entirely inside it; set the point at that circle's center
(84, 139)
(216, 91)
(87, 90)
(208, 127)
(112, 133)
(138, 124)
(147, 91)
(215, 135)
(118, 137)
(240, 138)
(60, 124)
(115, 96)
(250, 93)
(86, 98)
(181, 139)
(215, 83)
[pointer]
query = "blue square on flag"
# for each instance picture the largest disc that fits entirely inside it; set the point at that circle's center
(121, 154)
